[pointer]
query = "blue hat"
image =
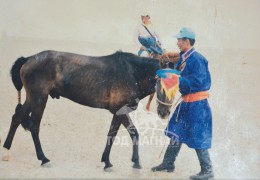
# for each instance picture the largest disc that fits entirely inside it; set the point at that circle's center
(185, 33)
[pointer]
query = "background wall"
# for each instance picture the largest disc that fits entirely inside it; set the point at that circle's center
(218, 24)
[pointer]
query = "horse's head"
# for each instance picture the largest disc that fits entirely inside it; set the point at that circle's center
(166, 88)
(163, 103)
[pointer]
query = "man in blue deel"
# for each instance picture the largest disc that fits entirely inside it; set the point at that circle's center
(191, 122)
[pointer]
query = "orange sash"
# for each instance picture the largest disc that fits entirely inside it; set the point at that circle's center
(196, 96)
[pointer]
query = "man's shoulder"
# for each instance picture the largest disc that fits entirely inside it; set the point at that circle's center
(198, 56)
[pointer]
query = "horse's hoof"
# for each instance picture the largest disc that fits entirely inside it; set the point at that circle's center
(47, 165)
(108, 169)
(108, 165)
(6, 156)
(45, 162)
(137, 166)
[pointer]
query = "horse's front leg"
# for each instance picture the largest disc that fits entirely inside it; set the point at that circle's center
(128, 124)
(115, 124)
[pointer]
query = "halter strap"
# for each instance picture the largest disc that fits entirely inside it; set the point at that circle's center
(166, 104)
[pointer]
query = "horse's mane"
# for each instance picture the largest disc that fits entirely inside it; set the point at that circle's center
(143, 61)
(118, 55)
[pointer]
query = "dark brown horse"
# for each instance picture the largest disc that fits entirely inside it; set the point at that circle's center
(116, 82)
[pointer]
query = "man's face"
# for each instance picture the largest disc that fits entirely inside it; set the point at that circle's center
(184, 45)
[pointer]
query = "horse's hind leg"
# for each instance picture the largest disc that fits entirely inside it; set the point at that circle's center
(38, 106)
(128, 124)
(20, 112)
(115, 124)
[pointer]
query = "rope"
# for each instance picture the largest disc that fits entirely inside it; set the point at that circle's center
(168, 123)
(176, 120)
(164, 143)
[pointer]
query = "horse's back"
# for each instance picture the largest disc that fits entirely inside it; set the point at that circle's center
(53, 61)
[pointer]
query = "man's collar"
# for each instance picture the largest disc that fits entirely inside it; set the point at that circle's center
(187, 53)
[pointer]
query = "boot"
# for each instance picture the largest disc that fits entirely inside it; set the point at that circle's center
(205, 164)
(169, 158)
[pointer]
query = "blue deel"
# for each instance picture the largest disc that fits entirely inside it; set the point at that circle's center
(191, 122)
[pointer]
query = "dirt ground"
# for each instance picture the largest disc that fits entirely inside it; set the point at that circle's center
(73, 137)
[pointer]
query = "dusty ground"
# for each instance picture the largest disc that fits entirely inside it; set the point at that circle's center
(73, 136)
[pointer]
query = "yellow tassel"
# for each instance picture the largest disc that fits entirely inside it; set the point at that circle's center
(171, 92)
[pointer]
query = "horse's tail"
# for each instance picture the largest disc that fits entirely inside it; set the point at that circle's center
(15, 74)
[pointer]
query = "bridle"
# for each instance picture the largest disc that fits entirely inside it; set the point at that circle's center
(156, 77)
(166, 104)
(161, 102)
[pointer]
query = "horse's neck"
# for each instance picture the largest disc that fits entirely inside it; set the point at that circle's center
(148, 79)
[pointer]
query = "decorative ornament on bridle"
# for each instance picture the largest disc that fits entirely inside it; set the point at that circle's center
(169, 80)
